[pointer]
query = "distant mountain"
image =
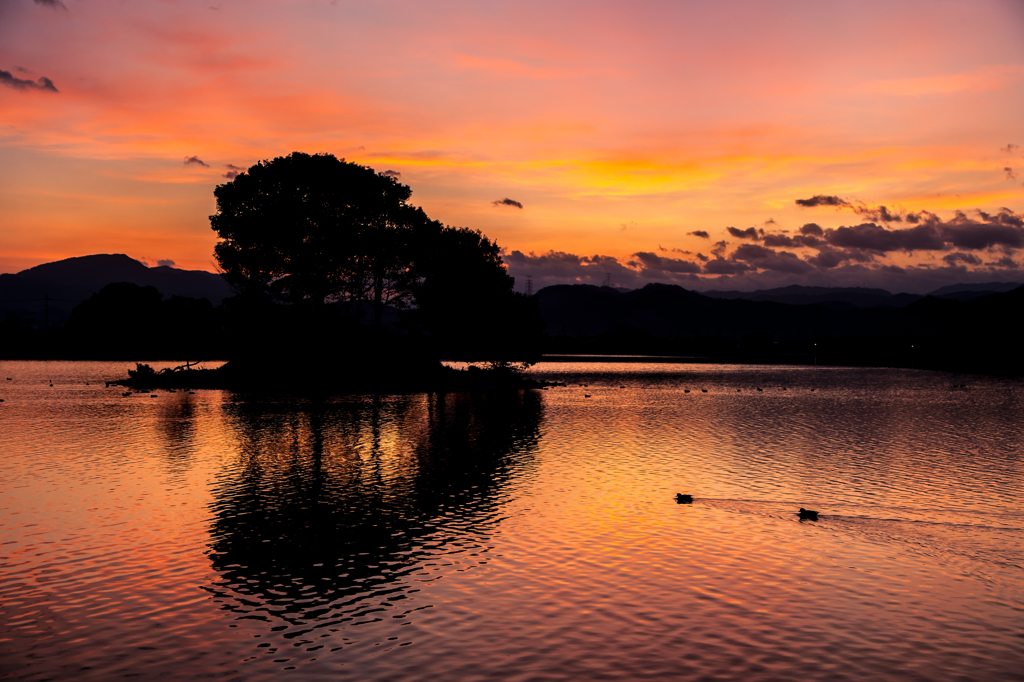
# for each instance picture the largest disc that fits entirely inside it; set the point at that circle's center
(969, 292)
(842, 298)
(996, 287)
(70, 281)
(668, 310)
(661, 319)
(836, 298)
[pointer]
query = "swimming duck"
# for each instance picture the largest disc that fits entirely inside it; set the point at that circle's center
(807, 514)
(683, 499)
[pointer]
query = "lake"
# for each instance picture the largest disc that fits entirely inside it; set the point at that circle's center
(531, 536)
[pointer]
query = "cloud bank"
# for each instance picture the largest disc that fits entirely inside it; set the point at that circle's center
(976, 247)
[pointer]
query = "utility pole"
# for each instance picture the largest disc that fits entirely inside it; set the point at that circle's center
(529, 285)
(608, 279)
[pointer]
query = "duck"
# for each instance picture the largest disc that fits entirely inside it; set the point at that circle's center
(703, 390)
(682, 498)
(809, 514)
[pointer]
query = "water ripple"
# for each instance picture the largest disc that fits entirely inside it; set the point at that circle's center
(518, 537)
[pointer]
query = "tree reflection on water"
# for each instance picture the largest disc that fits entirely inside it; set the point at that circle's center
(335, 511)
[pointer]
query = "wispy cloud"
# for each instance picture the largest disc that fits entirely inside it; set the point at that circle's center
(822, 200)
(195, 161)
(10, 80)
(55, 4)
(749, 233)
(960, 257)
(880, 213)
(507, 202)
(994, 77)
(653, 263)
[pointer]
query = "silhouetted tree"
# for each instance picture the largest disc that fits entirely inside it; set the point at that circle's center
(313, 228)
(466, 301)
(125, 320)
(117, 310)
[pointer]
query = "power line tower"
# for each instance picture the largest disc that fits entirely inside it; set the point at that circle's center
(607, 279)
(529, 285)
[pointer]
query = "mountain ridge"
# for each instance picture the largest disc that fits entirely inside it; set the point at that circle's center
(52, 290)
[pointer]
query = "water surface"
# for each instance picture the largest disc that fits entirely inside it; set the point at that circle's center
(528, 536)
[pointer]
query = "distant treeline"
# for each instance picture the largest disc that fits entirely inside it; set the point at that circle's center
(130, 322)
(120, 322)
(981, 335)
(125, 321)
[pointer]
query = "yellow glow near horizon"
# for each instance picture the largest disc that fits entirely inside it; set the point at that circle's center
(618, 130)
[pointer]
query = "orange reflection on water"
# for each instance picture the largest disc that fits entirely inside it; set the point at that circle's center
(530, 535)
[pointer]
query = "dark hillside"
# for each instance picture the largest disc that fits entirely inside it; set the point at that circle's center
(942, 333)
(70, 281)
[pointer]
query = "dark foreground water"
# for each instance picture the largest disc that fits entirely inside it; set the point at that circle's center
(523, 537)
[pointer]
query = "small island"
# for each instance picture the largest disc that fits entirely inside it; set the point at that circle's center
(343, 286)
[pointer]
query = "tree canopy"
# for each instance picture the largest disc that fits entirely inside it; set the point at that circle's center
(314, 229)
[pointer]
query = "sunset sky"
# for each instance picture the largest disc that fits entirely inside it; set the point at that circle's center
(633, 135)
